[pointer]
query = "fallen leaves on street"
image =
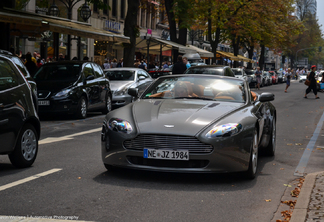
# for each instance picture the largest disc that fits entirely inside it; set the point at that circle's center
(286, 215)
(269, 200)
(295, 192)
(290, 203)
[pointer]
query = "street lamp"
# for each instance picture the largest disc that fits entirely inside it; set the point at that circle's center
(85, 12)
(54, 10)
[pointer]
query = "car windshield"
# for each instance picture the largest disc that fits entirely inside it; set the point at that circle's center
(237, 72)
(121, 75)
(204, 70)
(204, 88)
(58, 72)
(249, 72)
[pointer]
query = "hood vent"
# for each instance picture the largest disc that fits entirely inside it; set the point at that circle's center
(157, 103)
(213, 105)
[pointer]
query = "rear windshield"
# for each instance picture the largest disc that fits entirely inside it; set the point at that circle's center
(62, 72)
(237, 72)
(204, 70)
(121, 75)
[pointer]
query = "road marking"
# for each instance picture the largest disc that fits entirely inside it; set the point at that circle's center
(68, 137)
(9, 185)
(300, 169)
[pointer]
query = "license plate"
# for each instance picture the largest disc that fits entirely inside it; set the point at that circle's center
(166, 154)
(43, 102)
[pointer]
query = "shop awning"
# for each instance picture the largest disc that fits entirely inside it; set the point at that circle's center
(155, 45)
(26, 20)
(204, 54)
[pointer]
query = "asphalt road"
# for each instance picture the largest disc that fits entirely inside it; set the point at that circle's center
(81, 187)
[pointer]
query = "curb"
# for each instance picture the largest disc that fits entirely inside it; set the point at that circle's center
(301, 207)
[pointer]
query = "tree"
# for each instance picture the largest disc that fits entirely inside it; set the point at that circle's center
(131, 30)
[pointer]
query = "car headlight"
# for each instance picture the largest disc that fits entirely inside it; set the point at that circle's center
(120, 125)
(63, 92)
(121, 92)
(224, 130)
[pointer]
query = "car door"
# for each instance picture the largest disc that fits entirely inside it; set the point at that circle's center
(144, 83)
(13, 104)
(101, 85)
(90, 85)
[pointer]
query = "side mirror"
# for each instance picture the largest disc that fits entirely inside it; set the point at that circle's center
(133, 92)
(266, 97)
(140, 78)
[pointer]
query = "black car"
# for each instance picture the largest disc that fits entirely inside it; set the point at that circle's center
(19, 123)
(251, 76)
(73, 87)
(25, 72)
(211, 70)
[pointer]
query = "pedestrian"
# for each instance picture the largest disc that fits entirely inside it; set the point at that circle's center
(258, 74)
(30, 65)
(114, 63)
(151, 65)
(142, 66)
(312, 86)
(106, 64)
(137, 63)
(186, 62)
(39, 63)
(86, 58)
(289, 76)
(119, 64)
(179, 67)
(165, 66)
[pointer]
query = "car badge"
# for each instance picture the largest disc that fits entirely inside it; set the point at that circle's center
(169, 126)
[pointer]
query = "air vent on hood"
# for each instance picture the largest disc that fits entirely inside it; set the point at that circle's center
(157, 103)
(213, 105)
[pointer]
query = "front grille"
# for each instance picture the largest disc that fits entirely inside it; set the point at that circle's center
(192, 144)
(168, 163)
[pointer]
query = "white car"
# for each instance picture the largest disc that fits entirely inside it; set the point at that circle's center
(302, 77)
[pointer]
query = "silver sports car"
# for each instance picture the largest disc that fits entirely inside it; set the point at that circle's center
(121, 79)
(191, 123)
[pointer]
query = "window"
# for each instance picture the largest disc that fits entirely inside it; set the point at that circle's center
(105, 10)
(8, 77)
(97, 70)
(122, 9)
(95, 7)
(114, 8)
(142, 73)
(87, 71)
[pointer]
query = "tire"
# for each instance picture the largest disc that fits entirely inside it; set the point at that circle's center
(82, 108)
(108, 105)
(271, 148)
(26, 148)
(253, 164)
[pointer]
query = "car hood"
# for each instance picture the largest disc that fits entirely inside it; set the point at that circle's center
(181, 117)
(115, 85)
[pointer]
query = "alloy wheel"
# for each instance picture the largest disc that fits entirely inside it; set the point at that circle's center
(28, 145)
(254, 158)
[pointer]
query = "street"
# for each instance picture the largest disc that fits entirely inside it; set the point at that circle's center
(77, 184)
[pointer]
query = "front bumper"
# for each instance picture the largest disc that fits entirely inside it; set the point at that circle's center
(63, 105)
(227, 156)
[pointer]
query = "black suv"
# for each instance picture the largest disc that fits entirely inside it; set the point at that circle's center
(19, 123)
(72, 87)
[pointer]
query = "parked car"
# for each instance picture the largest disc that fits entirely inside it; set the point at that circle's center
(266, 78)
(191, 123)
(20, 126)
(274, 77)
(73, 87)
(302, 77)
(198, 64)
(211, 69)
(251, 76)
(121, 79)
(25, 72)
(240, 73)
(281, 77)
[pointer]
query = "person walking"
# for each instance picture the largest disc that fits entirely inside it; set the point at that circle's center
(258, 74)
(106, 64)
(179, 67)
(312, 86)
(30, 65)
(289, 76)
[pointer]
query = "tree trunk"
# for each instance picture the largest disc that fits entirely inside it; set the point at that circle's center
(213, 43)
(261, 61)
(130, 30)
(236, 44)
(250, 51)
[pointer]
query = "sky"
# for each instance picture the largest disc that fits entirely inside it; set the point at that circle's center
(320, 15)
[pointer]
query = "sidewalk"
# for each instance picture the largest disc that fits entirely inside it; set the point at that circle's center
(310, 203)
